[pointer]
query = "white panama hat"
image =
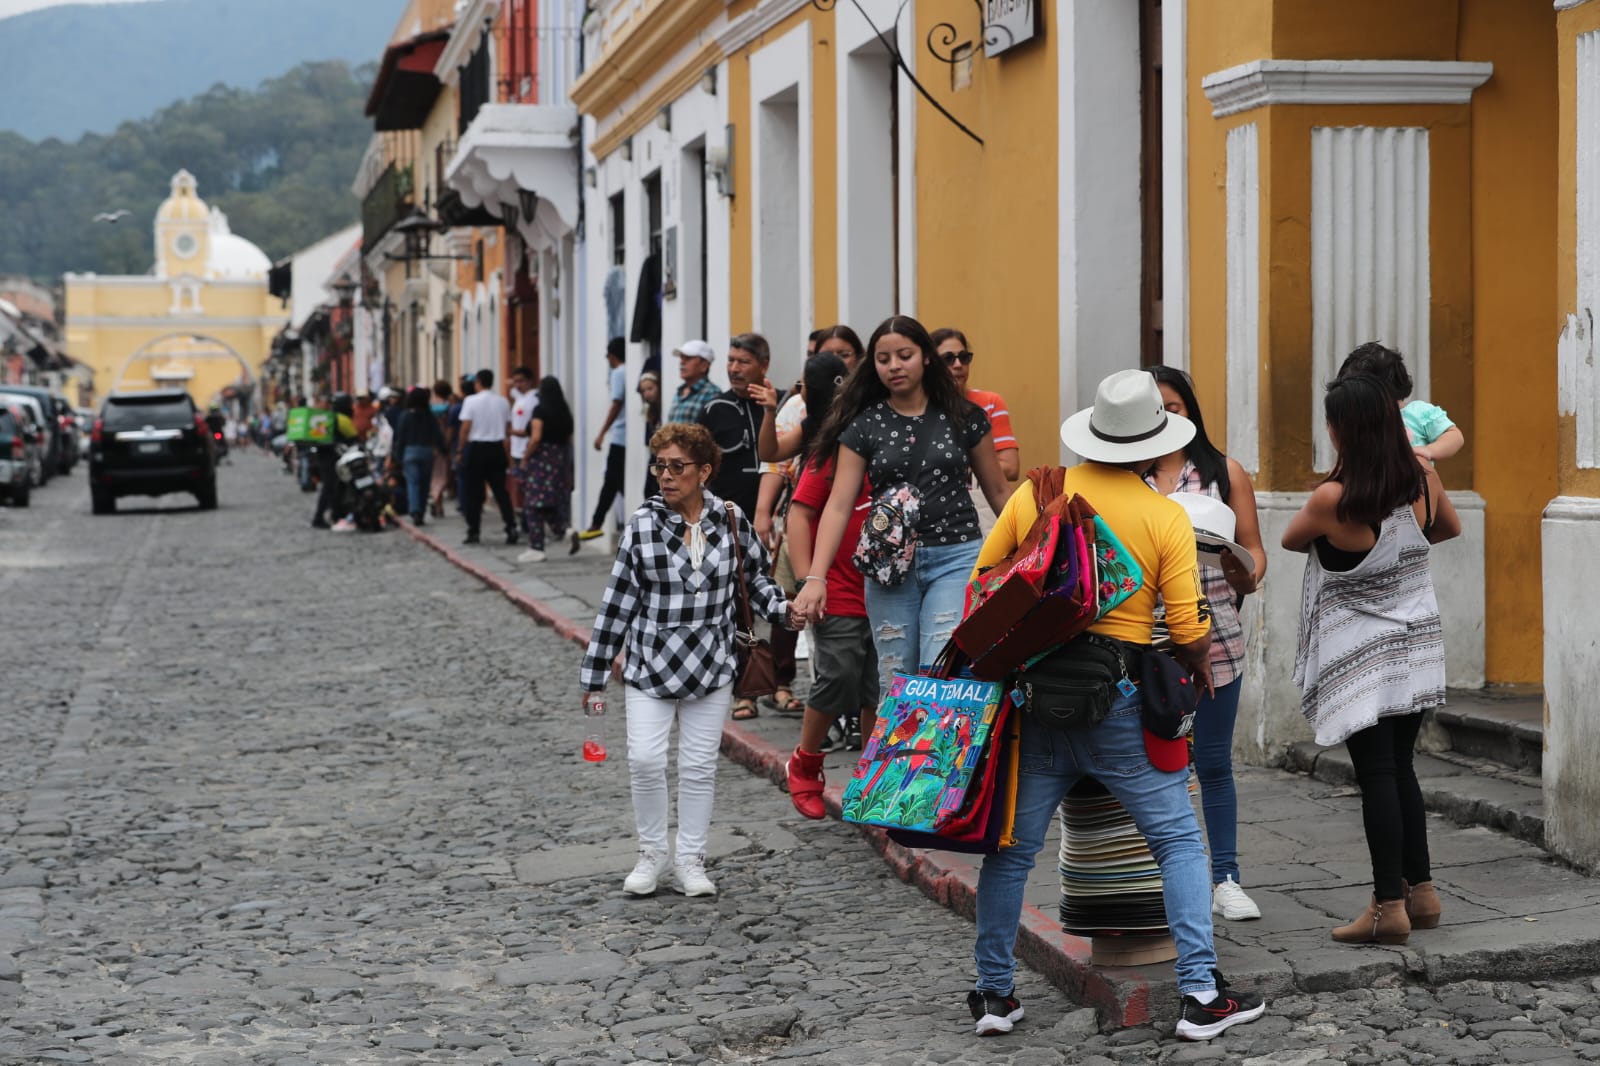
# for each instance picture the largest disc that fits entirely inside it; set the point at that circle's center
(1214, 528)
(1128, 422)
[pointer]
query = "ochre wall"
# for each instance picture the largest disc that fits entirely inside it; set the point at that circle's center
(1515, 321)
(987, 220)
(1493, 221)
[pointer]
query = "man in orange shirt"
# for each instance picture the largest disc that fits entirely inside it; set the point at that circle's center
(953, 349)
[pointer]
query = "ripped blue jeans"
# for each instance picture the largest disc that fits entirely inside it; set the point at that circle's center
(912, 622)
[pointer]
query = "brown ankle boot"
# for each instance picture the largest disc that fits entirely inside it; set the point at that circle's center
(1383, 922)
(1422, 905)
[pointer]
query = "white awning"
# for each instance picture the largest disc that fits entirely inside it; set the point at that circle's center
(512, 148)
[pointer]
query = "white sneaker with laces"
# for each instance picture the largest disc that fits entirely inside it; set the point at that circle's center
(1229, 900)
(532, 555)
(647, 873)
(689, 877)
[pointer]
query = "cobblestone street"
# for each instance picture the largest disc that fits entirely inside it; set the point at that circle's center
(273, 795)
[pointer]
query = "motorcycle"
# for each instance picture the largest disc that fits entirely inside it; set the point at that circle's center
(362, 495)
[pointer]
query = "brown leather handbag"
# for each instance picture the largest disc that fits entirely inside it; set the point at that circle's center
(755, 669)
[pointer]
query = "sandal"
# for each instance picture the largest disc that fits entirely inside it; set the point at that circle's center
(744, 710)
(785, 702)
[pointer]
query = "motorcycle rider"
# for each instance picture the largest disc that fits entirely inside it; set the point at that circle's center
(326, 456)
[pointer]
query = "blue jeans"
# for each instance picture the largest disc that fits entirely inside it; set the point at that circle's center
(1051, 762)
(1213, 764)
(417, 462)
(916, 617)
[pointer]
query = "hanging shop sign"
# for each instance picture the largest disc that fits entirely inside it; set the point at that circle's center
(1008, 23)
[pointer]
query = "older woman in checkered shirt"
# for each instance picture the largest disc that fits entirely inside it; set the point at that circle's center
(668, 617)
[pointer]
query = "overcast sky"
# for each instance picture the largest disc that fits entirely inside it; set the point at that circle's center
(17, 7)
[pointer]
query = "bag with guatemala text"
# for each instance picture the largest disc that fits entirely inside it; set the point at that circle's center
(887, 548)
(921, 768)
(991, 804)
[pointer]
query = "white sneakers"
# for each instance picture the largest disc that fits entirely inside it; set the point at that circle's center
(1229, 900)
(689, 877)
(647, 873)
(532, 555)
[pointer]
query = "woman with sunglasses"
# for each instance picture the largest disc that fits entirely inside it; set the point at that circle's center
(903, 422)
(668, 618)
(958, 356)
(1199, 467)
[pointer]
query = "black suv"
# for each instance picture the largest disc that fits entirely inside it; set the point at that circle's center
(150, 444)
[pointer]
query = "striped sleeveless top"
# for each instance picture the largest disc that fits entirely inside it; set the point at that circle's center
(1370, 640)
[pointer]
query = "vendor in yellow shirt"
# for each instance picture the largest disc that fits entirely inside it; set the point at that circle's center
(1127, 428)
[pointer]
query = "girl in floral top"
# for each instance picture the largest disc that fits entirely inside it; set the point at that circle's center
(1200, 467)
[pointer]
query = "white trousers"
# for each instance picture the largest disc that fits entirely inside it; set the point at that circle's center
(699, 721)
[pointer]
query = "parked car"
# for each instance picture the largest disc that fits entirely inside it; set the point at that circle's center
(33, 412)
(62, 453)
(71, 443)
(17, 457)
(150, 444)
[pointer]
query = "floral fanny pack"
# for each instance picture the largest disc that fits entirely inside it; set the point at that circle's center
(887, 548)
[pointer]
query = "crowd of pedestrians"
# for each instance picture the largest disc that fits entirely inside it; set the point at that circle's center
(763, 490)
(777, 483)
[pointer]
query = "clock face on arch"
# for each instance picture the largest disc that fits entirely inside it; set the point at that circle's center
(185, 245)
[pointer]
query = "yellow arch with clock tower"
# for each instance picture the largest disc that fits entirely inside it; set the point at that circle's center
(201, 319)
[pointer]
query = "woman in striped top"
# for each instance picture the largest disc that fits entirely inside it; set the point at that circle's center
(1371, 655)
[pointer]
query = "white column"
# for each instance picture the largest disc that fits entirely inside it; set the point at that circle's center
(1369, 254)
(1243, 248)
(1175, 183)
(1098, 248)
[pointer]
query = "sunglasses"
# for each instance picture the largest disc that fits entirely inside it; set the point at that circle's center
(674, 466)
(952, 358)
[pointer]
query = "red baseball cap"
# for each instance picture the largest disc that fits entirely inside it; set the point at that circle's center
(1168, 755)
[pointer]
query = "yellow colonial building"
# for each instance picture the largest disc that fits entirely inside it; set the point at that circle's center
(1245, 189)
(202, 319)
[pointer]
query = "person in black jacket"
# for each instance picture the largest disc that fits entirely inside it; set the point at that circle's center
(416, 442)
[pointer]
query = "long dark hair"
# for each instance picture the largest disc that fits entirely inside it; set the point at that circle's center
(554, 412)
(864, 387)
(824, 377)
(1208, 460)
(1376, 466)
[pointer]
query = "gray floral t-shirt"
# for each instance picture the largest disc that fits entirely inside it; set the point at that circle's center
(887, 439)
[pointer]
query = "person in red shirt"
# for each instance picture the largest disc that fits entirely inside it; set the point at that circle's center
(843, 657)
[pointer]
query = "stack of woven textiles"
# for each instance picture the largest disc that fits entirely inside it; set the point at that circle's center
(1110, 883)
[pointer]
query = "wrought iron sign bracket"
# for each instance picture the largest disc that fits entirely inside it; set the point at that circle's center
(892, 41)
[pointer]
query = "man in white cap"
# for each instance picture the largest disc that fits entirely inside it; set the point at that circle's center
(697, 390)
(1118, 437)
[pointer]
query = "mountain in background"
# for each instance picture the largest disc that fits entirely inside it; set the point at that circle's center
(68, 70)
(279, 160)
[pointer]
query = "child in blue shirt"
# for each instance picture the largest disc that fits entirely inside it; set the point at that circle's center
(1433, 435)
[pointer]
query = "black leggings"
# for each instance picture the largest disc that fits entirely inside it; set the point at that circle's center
(1391, 803)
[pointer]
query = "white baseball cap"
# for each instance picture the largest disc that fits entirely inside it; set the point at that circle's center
(697, 349)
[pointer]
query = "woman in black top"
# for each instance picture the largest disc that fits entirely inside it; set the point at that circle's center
(902, 421)
(416, 441)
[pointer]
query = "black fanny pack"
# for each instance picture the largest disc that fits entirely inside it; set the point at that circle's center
(1073, 687)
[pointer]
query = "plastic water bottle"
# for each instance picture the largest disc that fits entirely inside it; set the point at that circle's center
(594, 733)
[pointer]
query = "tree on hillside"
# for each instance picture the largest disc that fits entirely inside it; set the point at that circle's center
(278, 160)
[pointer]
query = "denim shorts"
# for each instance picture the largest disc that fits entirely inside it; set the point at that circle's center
(846, 666)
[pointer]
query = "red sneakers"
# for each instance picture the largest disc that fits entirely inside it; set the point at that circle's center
(806, 783)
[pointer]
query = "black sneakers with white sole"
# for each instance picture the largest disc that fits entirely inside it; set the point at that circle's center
(994, 1013)
(1202, 1021)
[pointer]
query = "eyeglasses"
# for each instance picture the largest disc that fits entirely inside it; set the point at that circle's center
(675, 466)
(952, 358)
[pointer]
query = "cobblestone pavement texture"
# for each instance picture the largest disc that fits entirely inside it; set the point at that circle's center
(271, 795)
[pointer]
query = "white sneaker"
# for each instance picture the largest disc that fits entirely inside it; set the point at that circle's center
(690, 878)
(532, 555)
(1229, 900)
(647, 873)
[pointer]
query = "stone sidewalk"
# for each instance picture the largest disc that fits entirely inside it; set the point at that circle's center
(1510, 912)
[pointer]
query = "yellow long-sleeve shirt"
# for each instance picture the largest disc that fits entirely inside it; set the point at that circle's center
(1156, 532)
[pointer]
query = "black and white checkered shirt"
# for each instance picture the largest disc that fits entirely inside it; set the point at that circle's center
(675, 623)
